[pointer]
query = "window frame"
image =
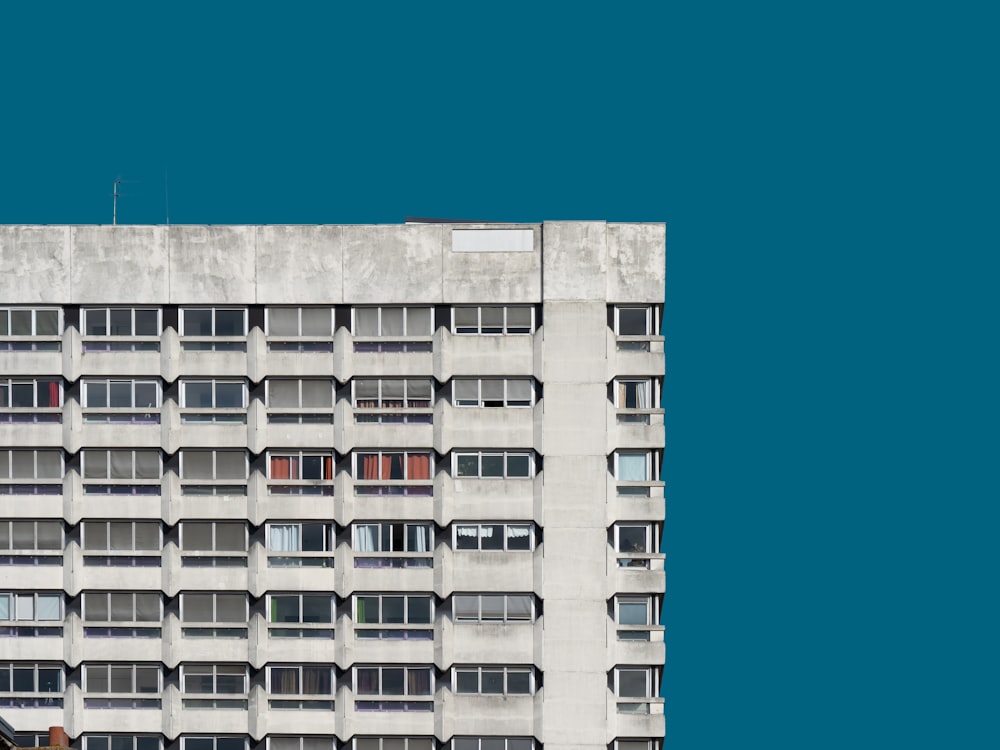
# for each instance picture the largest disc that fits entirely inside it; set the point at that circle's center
(34, 484)
(215, 383)
(299, 342)
(652, 320)
(301, 699)
(14, 610)
(213, 485)
(111, 557)
(383, 630)
(214, 739)
(357, 525)
(504, 327)
(405, 695)
(504, 668)
(87, 688)
(213, 556)
(506, 619)
(453, 743)
(214, 628)
(456, 525)
(649, 456)
(41, 698)
(215, 309)
(298, 485)
(5, 325)
(406, 321)
(456, 401)
(300, 628)
(217, 699)
(652, 537)
(652, 389)
(299, 557)
(135, 411)
(458, 453)
(7, 383)
(108, 737)
(636, 703)
(426, 742)
(108, 485)
(107, 594)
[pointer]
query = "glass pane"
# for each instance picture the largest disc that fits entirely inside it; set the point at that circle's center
(632, 321)
(632, 539)
(95, 322)
(121, 464)
(24, 607)
(316, 608)
(520, 743)
(147, 323)
(519, 683)
(197, 322)
(121, 679)
(229, 395)
(418, 609)
(632, 683)
(491, 536)
(121, 322)
(367, 610)
(96, 677)
(197, 395)
(519, 537)
(20, 322)
(467, 681)
(146, 395)
(366, 743)
(519, 607)
(230, 465)
(492, 606)
(96, 394)
(121, 607)
(49, 535)
(392, 321)
(230, 608)
(392, 681)
(198, 608)
(393, 743)
(22, 464)
(465, 607)
(418, 321)
(95, 464)
(316, 321)
(283, 393)
(147, 743)
(24, 535)
(492, 681)
(147, 465)
(282, 321)
(230, 537)
(24, 680)
(121, 536)
(492, 743)
(196, 464)
(366, 321)
(47, 322)
(285, 681)
(95, 535)
(285, 609)
(392, 390)
(467, 465)
(632, 467)
(317, 393)
(519, 318)
(229, 323)
(492, 389)
(392, 610)
(492, 465)
(365, 390)
(313, 537)
(196, 537)
(22, 395)
(465, 743)
(466, 391)
(312, 467)
(229, 743)
(95, 607)
(283, 743)
(518, 465)
(519, 390)
(367, 681)
(467, 537)
(147, 679)
(466, 317)
(492, 319)
(418, 389)
(633, 613)
(147, 607)
(49, 465)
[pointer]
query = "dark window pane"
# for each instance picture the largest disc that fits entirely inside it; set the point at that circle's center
(121, 323)
(632, 321)
(47, 322)
(419, 609)
(146, 324)
(492, 466)
(96, 323)
(197, 322)
(392, 609)
(229, 323)
(392, 681)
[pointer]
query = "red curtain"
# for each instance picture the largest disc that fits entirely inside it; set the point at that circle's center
(281, 467)
(386, 467)
(53, 394)
(418, 466)
(328, 467)
(370, 467)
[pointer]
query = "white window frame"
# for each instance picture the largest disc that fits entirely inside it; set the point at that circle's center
(87, 383)
(426, 743)
(5, 313)
(34, 451)
(506, 609)
(125, 623)
(319, 409)
(652, 319)
(298, 309)
(214, 551)
(185, 600)
(481, 402)
(652, 680)
(213, 739)
(456, 454)
(132, 550)
(507, 670)
(357, 525)
(648, 454)
(215, 382)
(215, 469)
(647, 744)
(35, 666)
(215, 309)
(107, 738)
(330, 743)
(505, 326)
(406, 596)
(380, 398)
(89, 455)
(405, 667)
(652, 537)
(9, 522)
(87, 666)
(406, 321)
(323, 624)
(453, 744)
(299, 456)
(479, 535)
(359, 453)
(648, 600)
(14, 610)
(186, 672)
(85, 312)
(8, 383)
(328, 537)
(300, 667)
(652, 389)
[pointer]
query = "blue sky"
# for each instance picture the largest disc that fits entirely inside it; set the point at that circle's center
(824, 170)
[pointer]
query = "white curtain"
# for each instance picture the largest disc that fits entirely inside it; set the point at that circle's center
(518, 532)
(420, 539)
(48, 607)
(285, 539)
(5, 607)
(632, 467)
(642, 395)
(364, 538)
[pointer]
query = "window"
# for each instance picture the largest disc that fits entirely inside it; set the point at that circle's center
(393, 743)
(493, 464)
(124, 614)
(298, 545)
(26, 685)
(121, 685)
(494, 536)
(32, 739)
(390, 401)
(395, 687)
(214, 544)
(24, 609)
(210, 400)
(634, 325)
(40, 322)
(31, 472)
(26, 539)
(211, 609)
(635, 542)
(301, 743)
(373, 468)
(635, 466)
(214, 322)
(305, 401)
(493, 743)
(116, 543)
(284, 323)
(492, 392)
(637, 745)
(121, 322)
(310, 614)
(220, 466)
(493, 607)
(300, 686)
(392, 323)
(634, 394)
(25, 396)
(635, 682)
(218, 683)
(122, 400)
(386, 616)
(493, 680)
(494, 319)
(303, 467)
(123, 472)
(121, 742)
(634, 615)
(411, 543)
(212, 743)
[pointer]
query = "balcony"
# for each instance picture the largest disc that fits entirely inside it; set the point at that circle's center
(103, 355)
(635, 717)
(485, 642)
(496, 499)
(127, 572)
(641, 645)
(635, 428)
(501, 427)
(31, 426)
(635, 501)
(378, 723)
(487, 570)
(109, 428)
(390, 571)
(635, 355)
(485, 355)
(498, 715)
(384, 356)
(635, 573)
(212, 356)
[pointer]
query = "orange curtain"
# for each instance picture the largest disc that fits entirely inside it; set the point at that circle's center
(386, 467)
(418, 466)
(370, 468)
(281, 467)
(328, 467)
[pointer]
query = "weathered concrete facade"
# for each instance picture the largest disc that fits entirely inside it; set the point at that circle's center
(205, 418)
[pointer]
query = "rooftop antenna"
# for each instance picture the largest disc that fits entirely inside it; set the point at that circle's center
(116, 195)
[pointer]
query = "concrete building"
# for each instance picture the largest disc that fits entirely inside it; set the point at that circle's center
(323, 487)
